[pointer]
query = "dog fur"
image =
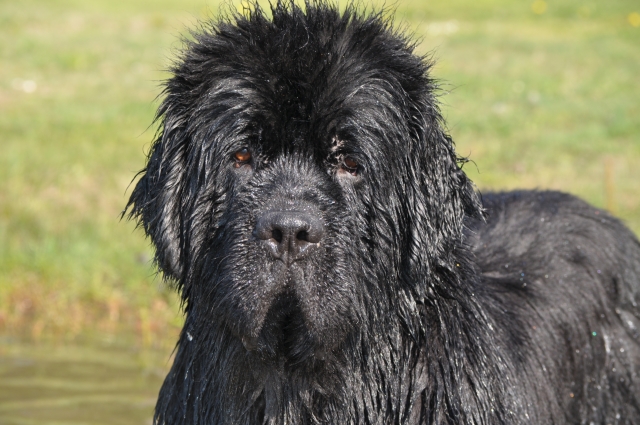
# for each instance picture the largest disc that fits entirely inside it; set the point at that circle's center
(406, 299)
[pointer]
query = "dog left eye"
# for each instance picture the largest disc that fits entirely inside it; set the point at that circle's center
(242, 157)
(350, 165)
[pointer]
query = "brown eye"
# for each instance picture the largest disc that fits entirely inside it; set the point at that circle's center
(242, 157)
(350, 165)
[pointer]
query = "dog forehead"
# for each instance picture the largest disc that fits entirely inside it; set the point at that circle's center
(297, 85)
(313, 101)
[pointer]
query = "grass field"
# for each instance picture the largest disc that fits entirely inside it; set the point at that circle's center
(538, 94)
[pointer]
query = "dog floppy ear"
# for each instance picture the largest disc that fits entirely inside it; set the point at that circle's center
(158, 196)
(199, 117)
(443, 196)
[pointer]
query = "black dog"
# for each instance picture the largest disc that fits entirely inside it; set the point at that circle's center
(338, 267)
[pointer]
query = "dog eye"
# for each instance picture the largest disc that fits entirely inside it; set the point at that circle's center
(242, 157)
(350, 165)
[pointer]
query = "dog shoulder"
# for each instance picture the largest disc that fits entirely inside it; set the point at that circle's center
(522, 221)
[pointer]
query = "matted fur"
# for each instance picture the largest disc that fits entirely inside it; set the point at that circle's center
(420, 304)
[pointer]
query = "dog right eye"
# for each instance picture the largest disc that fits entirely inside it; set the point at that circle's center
(242, 157)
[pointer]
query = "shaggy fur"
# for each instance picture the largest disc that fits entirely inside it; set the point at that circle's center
(397, 296)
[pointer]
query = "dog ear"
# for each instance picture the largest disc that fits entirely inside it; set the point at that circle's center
(200, 99)
(158, 196)
(443, 196)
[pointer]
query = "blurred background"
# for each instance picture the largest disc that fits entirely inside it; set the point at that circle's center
(538, 94)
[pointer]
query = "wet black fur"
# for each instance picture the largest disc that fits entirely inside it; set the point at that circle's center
(422, 304)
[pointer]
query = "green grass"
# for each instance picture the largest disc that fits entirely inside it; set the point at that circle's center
(548, 100)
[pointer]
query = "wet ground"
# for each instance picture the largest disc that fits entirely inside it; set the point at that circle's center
(78, 384)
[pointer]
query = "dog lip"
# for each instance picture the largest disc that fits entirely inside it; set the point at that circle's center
(249, 342)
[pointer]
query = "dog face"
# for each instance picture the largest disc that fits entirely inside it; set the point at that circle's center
(300, 180)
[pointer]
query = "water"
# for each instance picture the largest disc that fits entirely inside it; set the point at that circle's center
(78, 384)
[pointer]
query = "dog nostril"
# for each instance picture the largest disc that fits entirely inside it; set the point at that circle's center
(277, 235)
(289, 235)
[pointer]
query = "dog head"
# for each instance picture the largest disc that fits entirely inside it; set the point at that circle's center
(301, 182)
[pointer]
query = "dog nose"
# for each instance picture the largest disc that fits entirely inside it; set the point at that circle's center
(290, 235)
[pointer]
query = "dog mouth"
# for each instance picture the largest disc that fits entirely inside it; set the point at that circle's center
(291, 322)
(284, 334)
